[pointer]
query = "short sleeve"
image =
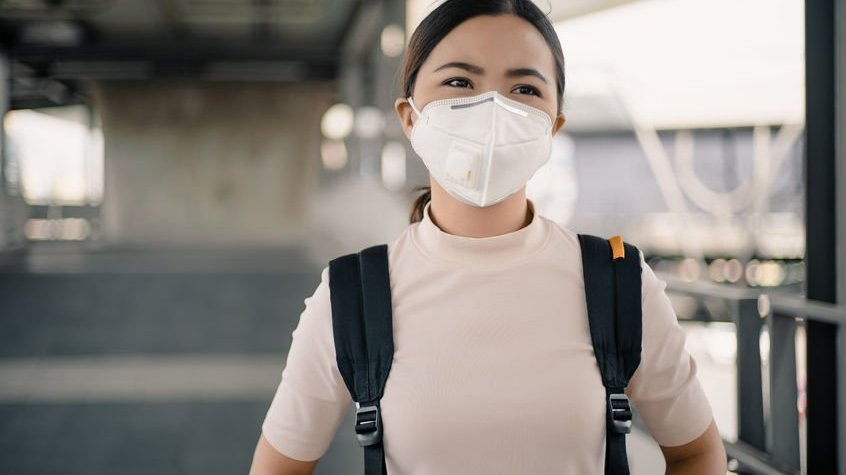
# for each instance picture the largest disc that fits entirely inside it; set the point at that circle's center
(311, 400)
(665, 388)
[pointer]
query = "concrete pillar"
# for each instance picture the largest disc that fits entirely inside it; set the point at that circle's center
(5, 94)
(390, 78)
(199, 163)
(13, 210)
(5, 215)
(4, 107)
(371, 78)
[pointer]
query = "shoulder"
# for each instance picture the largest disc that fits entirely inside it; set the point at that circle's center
(561, 238)
(650, 282)
(396, 250)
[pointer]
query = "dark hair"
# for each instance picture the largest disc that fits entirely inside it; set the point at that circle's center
(444, 19)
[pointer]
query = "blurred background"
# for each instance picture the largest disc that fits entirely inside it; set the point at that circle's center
(176, 173)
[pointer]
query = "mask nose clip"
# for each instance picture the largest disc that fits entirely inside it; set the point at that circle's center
(510, 108)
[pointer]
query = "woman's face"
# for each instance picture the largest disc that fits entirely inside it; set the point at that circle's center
(503, 53)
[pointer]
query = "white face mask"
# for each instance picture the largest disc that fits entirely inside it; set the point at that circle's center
(483, 148)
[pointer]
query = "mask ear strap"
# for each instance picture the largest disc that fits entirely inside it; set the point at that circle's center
(411, 103)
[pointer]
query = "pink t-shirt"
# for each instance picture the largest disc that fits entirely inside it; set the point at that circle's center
(493, 370)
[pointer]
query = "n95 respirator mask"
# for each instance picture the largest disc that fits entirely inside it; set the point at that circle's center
(483, 148)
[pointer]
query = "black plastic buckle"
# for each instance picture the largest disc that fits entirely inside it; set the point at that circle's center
(368, 425)
(621, 412)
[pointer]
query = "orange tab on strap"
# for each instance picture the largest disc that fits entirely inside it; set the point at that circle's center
(618, 251)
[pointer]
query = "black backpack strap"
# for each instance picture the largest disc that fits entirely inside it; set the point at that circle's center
(612, 277)
(360, 293)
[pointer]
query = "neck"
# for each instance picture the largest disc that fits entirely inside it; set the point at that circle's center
(460, 219)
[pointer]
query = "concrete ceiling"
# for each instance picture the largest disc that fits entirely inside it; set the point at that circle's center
(55, 45)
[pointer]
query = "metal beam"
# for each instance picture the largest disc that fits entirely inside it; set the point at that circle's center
(187, 50)
(750, 404)
(143, 61)
(783, 421)
(65, 211)
(821, 234)
(49, 76)
(751, 461)
(840, 173)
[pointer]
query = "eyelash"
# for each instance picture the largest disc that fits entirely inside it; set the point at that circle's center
(534, 90)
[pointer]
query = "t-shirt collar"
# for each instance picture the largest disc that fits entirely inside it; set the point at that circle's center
(493, 250)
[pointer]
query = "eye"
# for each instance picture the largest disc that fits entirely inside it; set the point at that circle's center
(458, 82)
(524, 89)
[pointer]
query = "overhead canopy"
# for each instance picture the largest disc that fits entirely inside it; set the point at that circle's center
(56, 45)
(686, 64)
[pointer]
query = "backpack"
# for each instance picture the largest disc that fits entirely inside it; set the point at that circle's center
(360, 295)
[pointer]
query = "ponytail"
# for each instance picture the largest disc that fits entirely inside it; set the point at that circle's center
(420, 203)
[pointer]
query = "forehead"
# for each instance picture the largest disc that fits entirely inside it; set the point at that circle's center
(494, 43)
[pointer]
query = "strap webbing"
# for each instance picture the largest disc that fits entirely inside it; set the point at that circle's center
(613, 296)
(374, 460)
(360, 294)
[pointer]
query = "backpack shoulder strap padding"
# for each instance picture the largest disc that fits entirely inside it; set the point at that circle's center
(612, 280)
(362, 327)
(360, 293)
(613, 295)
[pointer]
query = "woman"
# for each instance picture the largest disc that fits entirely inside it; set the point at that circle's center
(493, 370)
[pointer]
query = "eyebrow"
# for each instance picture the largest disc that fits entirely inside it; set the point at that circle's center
(517, 72)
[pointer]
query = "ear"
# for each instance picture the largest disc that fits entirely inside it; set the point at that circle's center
(406, 115)
(559, 123)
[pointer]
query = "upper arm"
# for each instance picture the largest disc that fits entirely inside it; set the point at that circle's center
(269, 461)
(665, 389)
(311, 399)
(710, 442)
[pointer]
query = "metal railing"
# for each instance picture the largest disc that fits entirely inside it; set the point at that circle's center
(768, 439)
